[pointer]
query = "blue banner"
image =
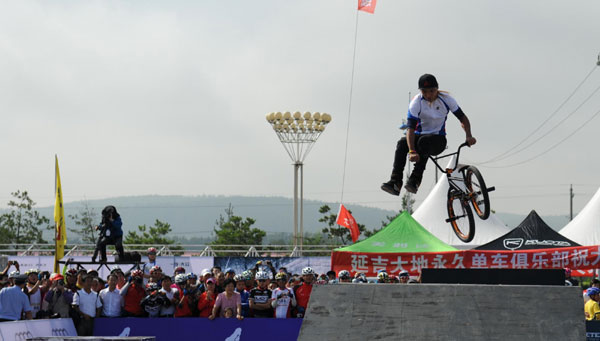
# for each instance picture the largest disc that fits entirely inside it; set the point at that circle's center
(196, 328)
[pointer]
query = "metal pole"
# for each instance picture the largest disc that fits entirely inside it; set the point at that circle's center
(295, 204)
(301, 207)
(571, 195)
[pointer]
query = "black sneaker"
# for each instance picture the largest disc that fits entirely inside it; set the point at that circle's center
(411, 186)
(392, 187)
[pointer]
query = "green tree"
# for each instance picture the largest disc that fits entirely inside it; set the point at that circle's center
(86, 221)
(156, 235)
(22, 224)
(338, 233)
(234, 230)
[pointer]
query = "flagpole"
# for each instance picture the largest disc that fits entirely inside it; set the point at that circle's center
(56, 269)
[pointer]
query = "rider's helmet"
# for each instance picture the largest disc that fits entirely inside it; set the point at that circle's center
(308, 271)
(152, 250)
(181, 279)
(281, 276)
(154, 269)
(72, 272)
(382, 276)
(179, 270)
(592, 291)
(238, 277)
(262, 275)
(192, 275)
(427, 81)
(344, 274)
(137, 273)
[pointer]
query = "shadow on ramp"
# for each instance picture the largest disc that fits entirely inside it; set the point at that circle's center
(443, 312)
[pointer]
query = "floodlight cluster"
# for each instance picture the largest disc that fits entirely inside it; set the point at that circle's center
(297, 122)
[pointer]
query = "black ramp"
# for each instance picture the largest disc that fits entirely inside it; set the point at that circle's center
(443, 312)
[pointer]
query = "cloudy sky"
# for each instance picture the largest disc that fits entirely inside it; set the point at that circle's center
(170, 97)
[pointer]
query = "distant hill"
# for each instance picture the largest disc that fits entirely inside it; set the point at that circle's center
(195, 216)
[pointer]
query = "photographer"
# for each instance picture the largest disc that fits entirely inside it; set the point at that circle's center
(133, 292)
(111, 233)
(57, 301)
(8, 265)
(33, 291)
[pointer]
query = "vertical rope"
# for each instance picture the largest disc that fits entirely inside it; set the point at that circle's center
(349, 108)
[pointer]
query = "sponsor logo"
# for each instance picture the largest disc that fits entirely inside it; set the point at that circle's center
(235, 336)
(516, 243)
(22, 336)
(513, 243)
(59, 332)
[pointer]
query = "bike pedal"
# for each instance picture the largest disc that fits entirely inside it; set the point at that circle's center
(490, 189)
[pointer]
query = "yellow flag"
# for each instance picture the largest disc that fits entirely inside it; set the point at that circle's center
(59, 219)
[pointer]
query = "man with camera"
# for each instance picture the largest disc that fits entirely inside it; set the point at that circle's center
(57, 302)
(133, 292)
(111, 233)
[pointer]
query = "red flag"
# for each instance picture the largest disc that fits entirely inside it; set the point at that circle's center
(367, 5)
(346, 220)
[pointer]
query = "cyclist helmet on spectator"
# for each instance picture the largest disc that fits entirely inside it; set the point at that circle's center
(181, 279)
(592, 291)
(238, 278)
(192, 275)
(382, 277)
(323, 279)
(154, 269)
(32, 271)
(247, 275)
(56, 277)
(137, 273)
(179, 270)
(281, 276)
(262, 275)
(344, 274)
(308, 271)
(152, 250)
(72, 272)
(152, 286)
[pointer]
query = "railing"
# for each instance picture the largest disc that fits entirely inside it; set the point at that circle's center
(201, 250)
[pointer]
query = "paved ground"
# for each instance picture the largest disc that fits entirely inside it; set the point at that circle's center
(443, 312)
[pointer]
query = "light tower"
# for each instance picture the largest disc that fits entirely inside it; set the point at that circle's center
(298, 133)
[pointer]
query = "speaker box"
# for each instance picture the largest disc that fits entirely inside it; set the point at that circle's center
(494, 276)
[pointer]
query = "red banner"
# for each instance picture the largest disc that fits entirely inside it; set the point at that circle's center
(576, 258)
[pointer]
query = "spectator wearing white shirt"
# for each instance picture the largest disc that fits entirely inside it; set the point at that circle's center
(87, 303)
(112, 301)
(169, 292)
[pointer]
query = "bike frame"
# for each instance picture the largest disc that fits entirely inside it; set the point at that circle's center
(452, 180)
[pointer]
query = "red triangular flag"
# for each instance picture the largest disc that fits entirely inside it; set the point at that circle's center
(367, 5)
(346, 220)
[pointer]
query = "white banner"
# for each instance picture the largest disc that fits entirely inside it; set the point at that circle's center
(23, 330)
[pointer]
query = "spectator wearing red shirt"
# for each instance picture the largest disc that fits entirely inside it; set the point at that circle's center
(133, 292)
(303, 291)
(206, 302)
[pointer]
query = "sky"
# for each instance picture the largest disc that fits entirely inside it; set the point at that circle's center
(170, 98)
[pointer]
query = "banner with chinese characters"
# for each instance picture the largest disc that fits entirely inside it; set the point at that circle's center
(576, 258)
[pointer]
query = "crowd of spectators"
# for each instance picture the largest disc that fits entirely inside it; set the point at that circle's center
(80, 294)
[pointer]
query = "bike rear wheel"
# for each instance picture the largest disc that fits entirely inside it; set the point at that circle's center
(460, 216)
(478, 192)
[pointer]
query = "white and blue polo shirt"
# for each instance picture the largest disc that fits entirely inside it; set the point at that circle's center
(430, 117)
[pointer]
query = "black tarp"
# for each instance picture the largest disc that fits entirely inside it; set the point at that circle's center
(532, 233)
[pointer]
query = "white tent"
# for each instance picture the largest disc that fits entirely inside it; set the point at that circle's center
(432, 214)
(585, 227)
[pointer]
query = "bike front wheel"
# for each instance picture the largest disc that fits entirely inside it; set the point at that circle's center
(460, 217)
(478, 192)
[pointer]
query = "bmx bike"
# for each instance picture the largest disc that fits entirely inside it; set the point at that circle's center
(467, 189)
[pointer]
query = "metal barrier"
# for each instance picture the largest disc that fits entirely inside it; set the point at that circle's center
(202, 250)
